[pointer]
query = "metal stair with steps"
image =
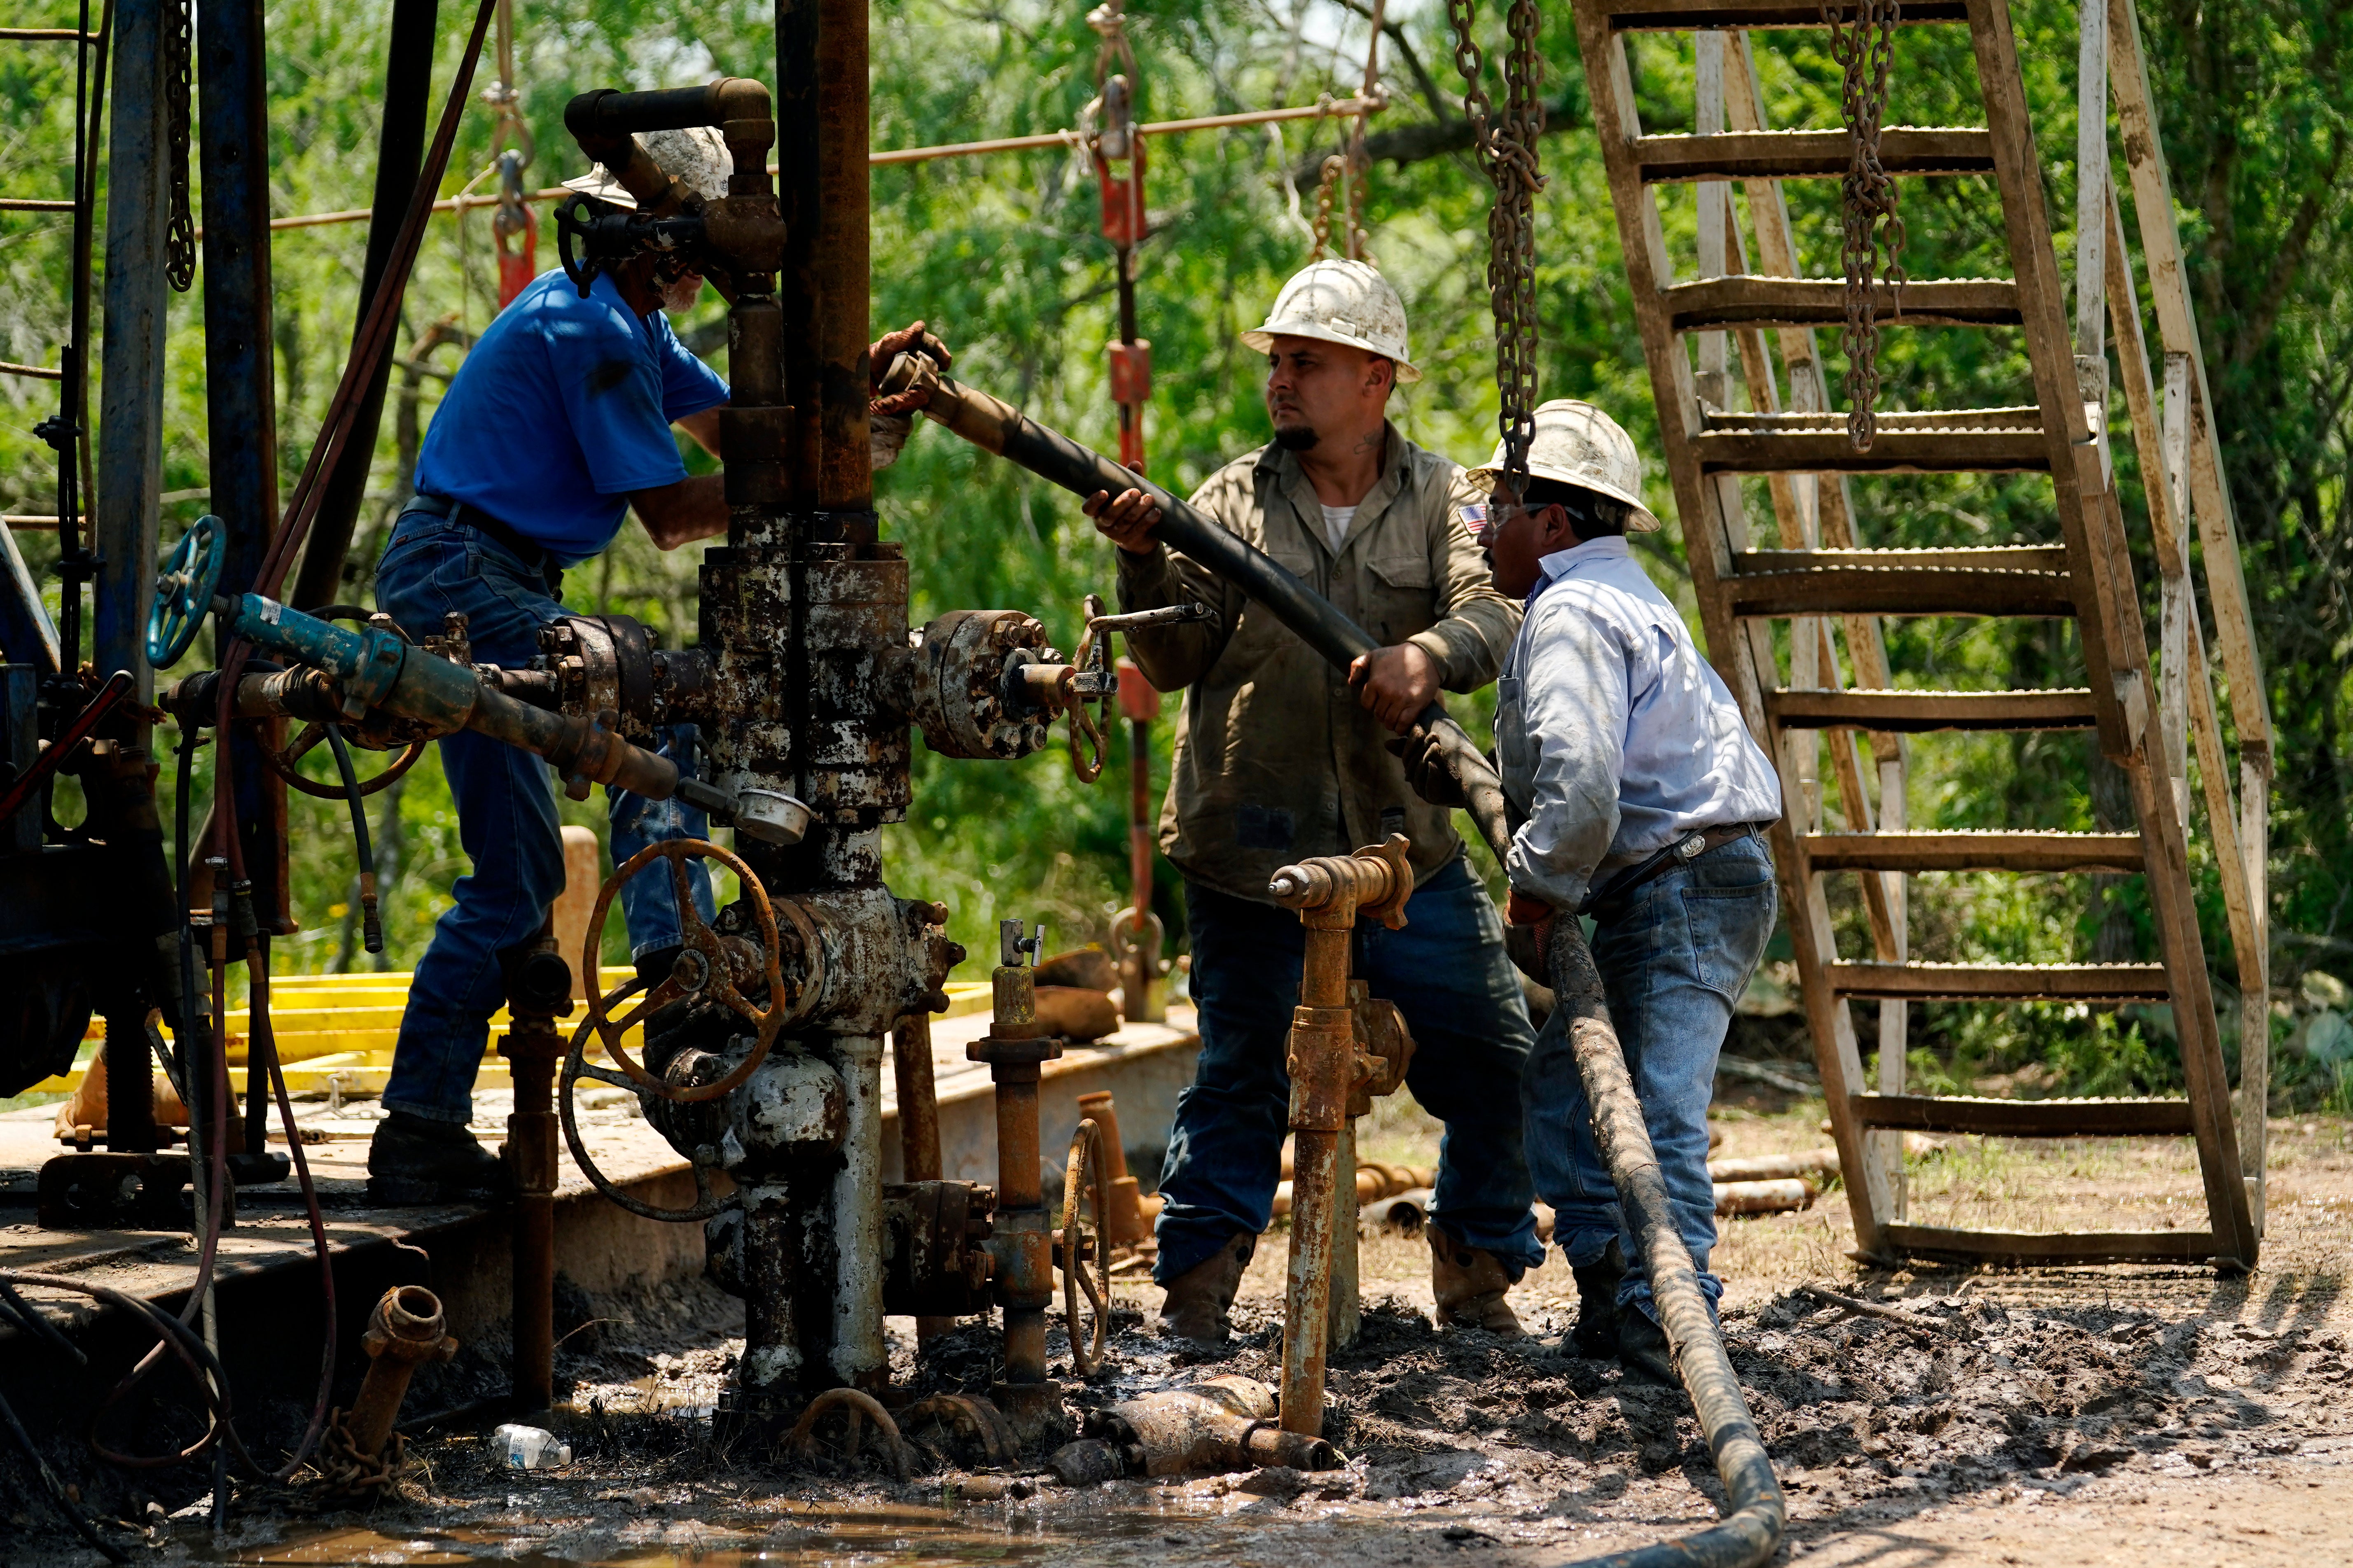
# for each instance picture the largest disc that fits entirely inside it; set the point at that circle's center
(1746, 314)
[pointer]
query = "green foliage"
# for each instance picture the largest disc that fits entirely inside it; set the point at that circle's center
(1003, 255)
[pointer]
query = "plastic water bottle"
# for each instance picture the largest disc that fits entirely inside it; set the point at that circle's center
(533, 1448)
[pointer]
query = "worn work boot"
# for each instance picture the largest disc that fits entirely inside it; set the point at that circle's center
(1642, 1352)
(1596, 1335)
(1470, 1284)
(416, 1160)
(1198, 1300)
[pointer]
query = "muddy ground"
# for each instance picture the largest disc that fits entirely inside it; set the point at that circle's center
(2146, 1416)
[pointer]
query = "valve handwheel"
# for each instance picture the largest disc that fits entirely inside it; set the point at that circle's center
(702, 970)
(184, 589)
(1086, 1172)
(283, 761)
(577, 1066)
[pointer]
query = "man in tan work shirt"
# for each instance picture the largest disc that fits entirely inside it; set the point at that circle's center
(1279, 757)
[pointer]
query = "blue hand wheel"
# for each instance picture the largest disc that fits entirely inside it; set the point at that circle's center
(185, 589)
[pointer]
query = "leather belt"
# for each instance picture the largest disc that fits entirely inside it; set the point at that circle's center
(1605, 902)
(532, 554)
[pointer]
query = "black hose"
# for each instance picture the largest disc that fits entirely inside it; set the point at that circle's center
(61, 1500)
(370, 921)
(1751, 1533)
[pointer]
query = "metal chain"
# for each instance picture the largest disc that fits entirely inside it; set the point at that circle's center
(1863, 44)
(1333, 167)
(180, 233)
(1506, 148)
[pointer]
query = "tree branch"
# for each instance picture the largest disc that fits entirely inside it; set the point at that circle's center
(1439, 107)
(1412, 143)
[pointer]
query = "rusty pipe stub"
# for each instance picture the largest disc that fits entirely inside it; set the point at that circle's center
(403, 1331)
(1323, 1066)
(1331, 891)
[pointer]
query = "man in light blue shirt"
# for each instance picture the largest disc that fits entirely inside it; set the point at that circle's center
(1638, 795)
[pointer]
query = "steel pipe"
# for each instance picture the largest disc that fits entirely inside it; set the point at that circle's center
(403, 1333)
(1329, 893)
(918, 1124)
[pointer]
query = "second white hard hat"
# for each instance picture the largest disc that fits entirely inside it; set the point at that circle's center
(1576, 444)
(697, 155)
(1340, 302)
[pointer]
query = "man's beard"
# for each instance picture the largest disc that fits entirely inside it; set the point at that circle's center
(1296, 438)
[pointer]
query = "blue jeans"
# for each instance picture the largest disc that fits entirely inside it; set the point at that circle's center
(1672, 965)
(506, 817)
(1447, 972)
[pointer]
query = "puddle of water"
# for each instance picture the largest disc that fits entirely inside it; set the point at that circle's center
(786, 1533)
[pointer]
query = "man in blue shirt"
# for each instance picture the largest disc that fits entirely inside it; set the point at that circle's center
(1639, 795)
(555, 427)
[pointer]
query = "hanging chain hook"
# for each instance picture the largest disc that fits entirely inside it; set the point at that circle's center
(1862, 41)
(1506, 147)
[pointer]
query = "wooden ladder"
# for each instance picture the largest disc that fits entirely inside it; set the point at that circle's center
(1748, 292)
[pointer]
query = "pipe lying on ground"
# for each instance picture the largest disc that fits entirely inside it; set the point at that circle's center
(1752, 1531)
(1810, 1164)
(1224, 1424)
(1781, 1196)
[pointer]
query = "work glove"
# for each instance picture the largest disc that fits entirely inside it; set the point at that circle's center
(1527, 936)
(1425, 767)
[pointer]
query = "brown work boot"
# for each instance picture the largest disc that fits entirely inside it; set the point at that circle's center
(1198, 1298)
(1470, 1284)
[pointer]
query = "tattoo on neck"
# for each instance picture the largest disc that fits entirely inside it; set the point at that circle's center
(1370, 442)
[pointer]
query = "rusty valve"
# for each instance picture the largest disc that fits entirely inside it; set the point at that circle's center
(709, 967)
(1331, 891)
(403, 1332)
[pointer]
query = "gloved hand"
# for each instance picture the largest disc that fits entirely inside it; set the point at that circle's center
(1426, 768)
(890, 346)
(1527, 935)
(885, 434)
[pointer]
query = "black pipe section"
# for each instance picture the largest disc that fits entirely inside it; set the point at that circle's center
(240, 394)
(1752, 1531)
(796, 199)
(131, 387)
(400, 155)
(998, 428)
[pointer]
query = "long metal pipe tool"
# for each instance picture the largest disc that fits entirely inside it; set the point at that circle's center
(1751, 1531)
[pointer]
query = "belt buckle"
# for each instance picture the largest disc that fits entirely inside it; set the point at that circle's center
(1691, 848)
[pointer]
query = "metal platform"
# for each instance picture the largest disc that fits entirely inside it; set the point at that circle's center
(461, 1250)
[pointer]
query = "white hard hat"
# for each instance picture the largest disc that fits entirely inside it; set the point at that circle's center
(1576, 444)
(1340, 302)
(697, 155)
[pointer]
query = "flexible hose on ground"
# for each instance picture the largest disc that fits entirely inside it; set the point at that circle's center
(1752, 1531)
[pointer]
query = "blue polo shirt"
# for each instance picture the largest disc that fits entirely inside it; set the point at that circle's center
(564, 408)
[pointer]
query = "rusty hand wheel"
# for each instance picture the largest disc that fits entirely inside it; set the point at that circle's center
(1086, 1160)
(577, 1066)
(702, 971)
(283, 761)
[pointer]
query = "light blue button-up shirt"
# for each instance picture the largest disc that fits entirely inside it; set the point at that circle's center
(1614, 737)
